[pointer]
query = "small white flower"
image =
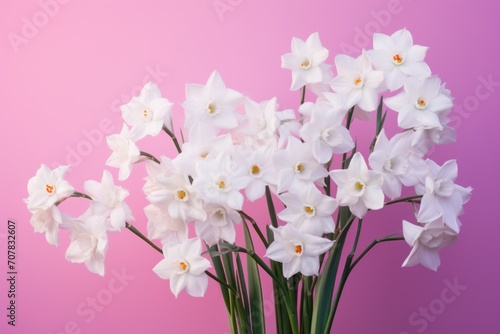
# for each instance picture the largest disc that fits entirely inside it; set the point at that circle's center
(398, 58)
(212, 104)
(420, 104)
(298, 251)
(358, 187)
(326, 134)
(426, 242)
(441, 196)
(309, 210)
(219, 224)
(125, 152)
(148, 112)
(161, 225)
(108, 200)
(89, 243)
(47, 187)
(305, 60)
(47, 221)
(184, 266)
(357, 81)
(296, 166)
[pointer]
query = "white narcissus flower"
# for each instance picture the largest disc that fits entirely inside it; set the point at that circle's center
(47, 221)
(89, 243)
(219, 224)
(255, 167)
(357, 81)
(47, 187)
(297, 251)
(420, 103)
(125, 152)
(398, 58)
(109, 200)
(213, 104)
(203, 144)
(326, 134)
(426, 242)
(261, 118)
(148, 112)
(392, 159)
(358, 187)
(217, 182)
(179, 196)
(288, 125)
(296, 166)
(441, 196)
(305, 60)
(309, 210)
(184, 266)
(161, 225)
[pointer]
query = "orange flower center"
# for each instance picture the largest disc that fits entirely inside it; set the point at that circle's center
(397, 58)
(49, 188)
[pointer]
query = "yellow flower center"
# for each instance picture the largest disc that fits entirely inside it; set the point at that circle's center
(203, 155)
(181, 194)
(49, 188)
(359, 185)
(309, 209)
(212, 109)
(299, 168)
(255, 169)
(145, 113)
(221, 184)
(183, 265)
(397, 59)
(305, 64)
(421, 102)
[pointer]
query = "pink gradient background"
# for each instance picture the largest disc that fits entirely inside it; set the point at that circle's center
(75, 72)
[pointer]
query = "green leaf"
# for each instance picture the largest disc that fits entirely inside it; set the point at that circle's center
(254, 288)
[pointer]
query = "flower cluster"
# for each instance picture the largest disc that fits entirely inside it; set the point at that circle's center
(238, 149)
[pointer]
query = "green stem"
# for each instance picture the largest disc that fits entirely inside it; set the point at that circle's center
(404, 199)
(74, 194)
(374, 242)
(283, 288)
(255, 226)
(150, 156)
(271, 209)
(174, 139)
(302, 94)
(343, 280)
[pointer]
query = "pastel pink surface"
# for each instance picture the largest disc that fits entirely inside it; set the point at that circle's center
(59, 98)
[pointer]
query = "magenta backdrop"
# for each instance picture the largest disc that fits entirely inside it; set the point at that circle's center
(66, 67)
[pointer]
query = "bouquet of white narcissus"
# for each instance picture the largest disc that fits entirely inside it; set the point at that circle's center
(237, 148)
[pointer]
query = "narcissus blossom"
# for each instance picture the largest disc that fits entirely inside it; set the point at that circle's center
(89, 243)
(213, 104)
(148, 112)
(47, 221)
(298, 251)
(219, 224)
(184, 266)
(326, 134)
(309, 210)
(426, 241)
(420, 103)
(441, 196)
(161, 225)
(109, 200)
(398, 57)
(296, 166)
(357, 81)
(305, 60)
(217, 182)
(47, 187)
(358, 187)
(125, 152)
